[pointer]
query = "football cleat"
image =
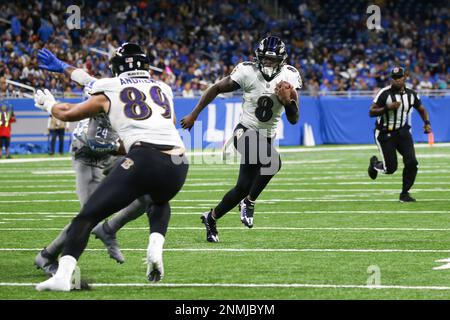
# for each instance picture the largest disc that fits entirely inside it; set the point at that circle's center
(247, 209)
(110, 242)
(371, 170)
(405, 197)
(155, 271)
(155, 266)
(46, 262)
(54, 284)
(212, 235)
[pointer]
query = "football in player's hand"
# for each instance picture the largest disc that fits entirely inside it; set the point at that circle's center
(285, 92)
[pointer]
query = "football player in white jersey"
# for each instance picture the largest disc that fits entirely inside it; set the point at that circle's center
(93, 147)
(141, 112)
(269, 87)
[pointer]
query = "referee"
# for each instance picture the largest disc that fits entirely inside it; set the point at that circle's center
(392, 107)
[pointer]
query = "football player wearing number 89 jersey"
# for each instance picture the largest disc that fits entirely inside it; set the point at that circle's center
(269, 88)
(94, 146)
(141, 112)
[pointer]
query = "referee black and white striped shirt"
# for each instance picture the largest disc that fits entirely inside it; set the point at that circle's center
(393, 120)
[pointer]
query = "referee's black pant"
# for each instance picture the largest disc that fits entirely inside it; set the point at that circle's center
(389, 143)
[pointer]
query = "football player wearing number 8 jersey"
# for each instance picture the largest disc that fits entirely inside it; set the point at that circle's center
(269, 87)
(141, 112)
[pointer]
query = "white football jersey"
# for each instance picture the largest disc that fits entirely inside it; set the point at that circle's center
(141, 109)
(261, 109)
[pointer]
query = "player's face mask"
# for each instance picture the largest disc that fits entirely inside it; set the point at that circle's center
(270, 65)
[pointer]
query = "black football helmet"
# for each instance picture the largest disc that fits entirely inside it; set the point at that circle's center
(271, 56)
(128, 57)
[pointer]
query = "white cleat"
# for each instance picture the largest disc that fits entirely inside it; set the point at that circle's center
(54, 284)
(155, 266)
(247, 210)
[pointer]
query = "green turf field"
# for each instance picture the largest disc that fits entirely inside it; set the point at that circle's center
(319, 226)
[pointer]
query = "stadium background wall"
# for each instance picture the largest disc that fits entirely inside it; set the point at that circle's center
(334, 120)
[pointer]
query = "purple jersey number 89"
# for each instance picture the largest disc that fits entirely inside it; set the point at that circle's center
(134, 98)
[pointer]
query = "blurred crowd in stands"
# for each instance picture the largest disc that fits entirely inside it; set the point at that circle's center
(196, 42)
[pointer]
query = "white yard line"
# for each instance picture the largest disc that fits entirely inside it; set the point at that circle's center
(266, 201)
(46, 159)
(38, 201)
(279, 177)
(54, 172)
(49, 186)
(261, 250)
(248, 285)
(214, 181)
(346, 190)
(279, 183)
(37, 180)
(241, 228)
(25, 219)
(281, 212)
(394, 199)
(39, 213)
(282, 150)
(29, 193)
(326, 161)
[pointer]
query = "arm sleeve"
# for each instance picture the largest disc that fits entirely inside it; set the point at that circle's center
(81, 77)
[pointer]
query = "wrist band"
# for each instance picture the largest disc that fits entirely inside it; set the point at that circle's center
(427, 122)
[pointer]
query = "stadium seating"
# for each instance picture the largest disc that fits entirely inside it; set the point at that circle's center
(201, 41)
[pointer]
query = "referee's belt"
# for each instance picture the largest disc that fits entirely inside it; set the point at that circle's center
(387, 130)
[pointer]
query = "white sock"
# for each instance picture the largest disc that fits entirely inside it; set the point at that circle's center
(155, 244)
(66, 267)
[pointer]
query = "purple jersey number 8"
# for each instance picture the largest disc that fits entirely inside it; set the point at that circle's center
(134, 98)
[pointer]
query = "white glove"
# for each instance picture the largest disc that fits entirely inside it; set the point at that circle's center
(44, 100)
